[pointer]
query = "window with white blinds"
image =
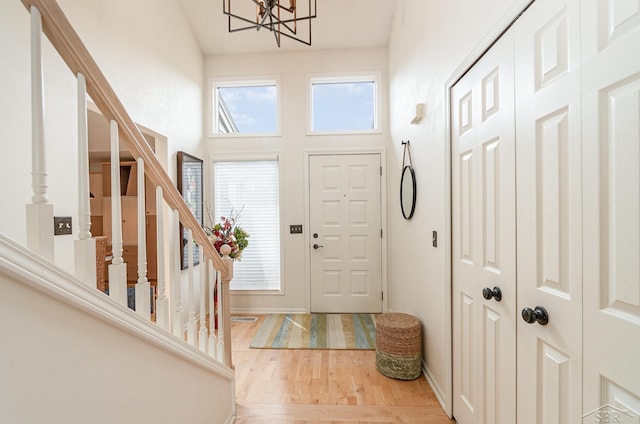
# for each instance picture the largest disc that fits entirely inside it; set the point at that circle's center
(250, 189)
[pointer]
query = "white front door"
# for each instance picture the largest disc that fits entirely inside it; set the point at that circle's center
(549, 212)
(611, 190)
(484, 243)
(346, 233)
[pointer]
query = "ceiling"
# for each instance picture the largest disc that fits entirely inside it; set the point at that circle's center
(340, 24)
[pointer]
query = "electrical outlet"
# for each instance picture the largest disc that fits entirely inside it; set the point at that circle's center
(295, 229)
(61, 225)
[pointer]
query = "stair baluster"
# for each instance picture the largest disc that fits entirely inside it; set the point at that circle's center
(143, 301)
(85, 246)
(191, 301)
(162, 304)
(39, 212)
(213, 279)
(117, 269)
(202, 337)
(176, 286)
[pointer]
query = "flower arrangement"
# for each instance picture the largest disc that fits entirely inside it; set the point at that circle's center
(226, 232)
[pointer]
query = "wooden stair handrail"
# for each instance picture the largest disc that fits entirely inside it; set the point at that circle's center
(72, 50)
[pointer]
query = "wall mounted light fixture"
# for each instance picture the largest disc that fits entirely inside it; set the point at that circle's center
(419, 113)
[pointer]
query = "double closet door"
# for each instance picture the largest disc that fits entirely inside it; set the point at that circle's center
(545, 205)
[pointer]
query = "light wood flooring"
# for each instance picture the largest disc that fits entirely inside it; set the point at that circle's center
(323, 386)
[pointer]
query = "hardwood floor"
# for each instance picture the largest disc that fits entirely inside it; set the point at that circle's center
(323, 386)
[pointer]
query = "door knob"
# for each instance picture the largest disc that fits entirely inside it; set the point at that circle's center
(538, 314)
(496, 293)
(317, 246)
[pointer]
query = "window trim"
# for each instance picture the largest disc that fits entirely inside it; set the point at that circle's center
(214, 83)
(251, 157)
(376, 77)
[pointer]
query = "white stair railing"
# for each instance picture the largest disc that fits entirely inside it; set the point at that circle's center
(214, 273)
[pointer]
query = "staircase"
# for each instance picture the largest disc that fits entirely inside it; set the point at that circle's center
(72, 353)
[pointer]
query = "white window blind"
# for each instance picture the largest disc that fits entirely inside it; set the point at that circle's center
(251, 188)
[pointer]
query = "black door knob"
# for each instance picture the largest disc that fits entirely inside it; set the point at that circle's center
(496, 293)
(539, 315)
(317, 246)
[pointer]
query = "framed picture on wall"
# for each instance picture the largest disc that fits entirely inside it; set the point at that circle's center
(190, 186)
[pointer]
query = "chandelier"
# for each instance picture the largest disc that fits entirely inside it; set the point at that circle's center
(272, 15)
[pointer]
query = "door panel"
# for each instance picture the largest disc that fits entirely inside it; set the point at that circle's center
(483, 197)
(345, 214)
(611, 133)
(548, 172)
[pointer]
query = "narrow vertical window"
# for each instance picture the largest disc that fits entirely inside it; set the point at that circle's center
(249, 189)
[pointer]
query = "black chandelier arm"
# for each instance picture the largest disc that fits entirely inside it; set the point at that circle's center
(226, 3)
(274, 22)
(282, 21)
(308, 43)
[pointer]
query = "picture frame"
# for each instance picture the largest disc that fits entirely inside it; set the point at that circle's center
(190, 186)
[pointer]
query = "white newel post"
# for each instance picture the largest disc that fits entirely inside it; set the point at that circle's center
(39, 212)
(85, 246)
(224, 325)
(191, 324)
(203, 334)
(143, 301)
(162, 304)
(117, 269)
(213, 279)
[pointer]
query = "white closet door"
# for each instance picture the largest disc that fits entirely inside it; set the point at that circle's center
(483, 178)
(611, 134)
(549, 224)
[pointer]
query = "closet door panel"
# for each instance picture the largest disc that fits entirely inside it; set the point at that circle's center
(483, 177)
(611, 133)
(549, 246)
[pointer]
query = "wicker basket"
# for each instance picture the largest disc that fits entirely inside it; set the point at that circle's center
(399, 346)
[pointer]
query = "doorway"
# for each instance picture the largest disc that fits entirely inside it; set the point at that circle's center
(345, 222)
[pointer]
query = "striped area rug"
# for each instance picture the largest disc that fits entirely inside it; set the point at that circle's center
(316, 331)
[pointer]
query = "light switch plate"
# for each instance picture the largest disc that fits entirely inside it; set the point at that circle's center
(62, 225)
(295, 229)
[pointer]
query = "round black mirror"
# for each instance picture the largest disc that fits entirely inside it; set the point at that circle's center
(408, 192)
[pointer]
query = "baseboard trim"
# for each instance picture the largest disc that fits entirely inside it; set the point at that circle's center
(437, 389)
(267, 311)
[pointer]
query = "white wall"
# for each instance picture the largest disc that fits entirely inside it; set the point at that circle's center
(429, 41)
(293, 70)
(60, 364)
(149, 55)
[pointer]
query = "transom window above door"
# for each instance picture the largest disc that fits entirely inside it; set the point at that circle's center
(245, 108)
(344, 104)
